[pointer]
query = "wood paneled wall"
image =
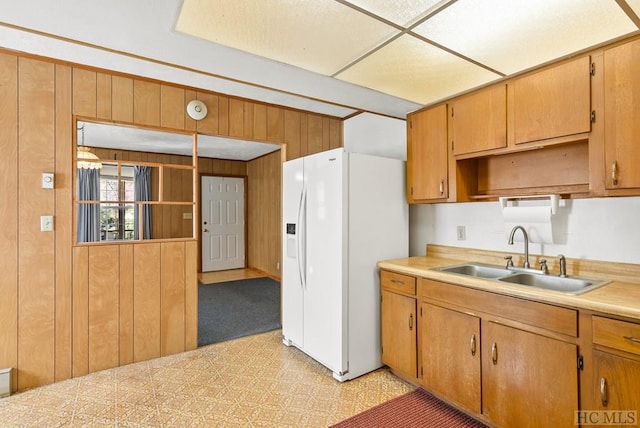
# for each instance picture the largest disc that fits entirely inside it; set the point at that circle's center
(264, 190)
(133, 302)
(9, 211)
(66, 309)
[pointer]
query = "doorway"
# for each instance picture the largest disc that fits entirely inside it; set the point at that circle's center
(223, 223)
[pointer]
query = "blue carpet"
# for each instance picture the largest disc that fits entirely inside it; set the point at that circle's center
(229, 310)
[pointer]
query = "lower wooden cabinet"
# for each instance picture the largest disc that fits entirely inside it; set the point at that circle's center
(450, 343)
(616, 370)
(616, 383)
(528, 380)
(509, 361)
(399, 323)
(398, 315)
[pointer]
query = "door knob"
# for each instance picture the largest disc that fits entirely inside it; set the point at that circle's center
(206, 230)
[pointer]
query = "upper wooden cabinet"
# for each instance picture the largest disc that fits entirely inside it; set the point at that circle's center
(479, 121)
(621, 124)
(427, 155)
(579, 114)
(554, 102)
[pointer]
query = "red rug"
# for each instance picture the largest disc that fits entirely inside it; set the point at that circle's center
(416, 409)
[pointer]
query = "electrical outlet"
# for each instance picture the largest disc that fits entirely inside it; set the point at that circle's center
(462, 233)
(277, 265)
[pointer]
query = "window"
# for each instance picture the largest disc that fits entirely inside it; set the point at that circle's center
(124, 193)
(117, 219)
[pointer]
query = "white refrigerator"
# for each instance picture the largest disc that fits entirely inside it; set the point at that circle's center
(342, 212)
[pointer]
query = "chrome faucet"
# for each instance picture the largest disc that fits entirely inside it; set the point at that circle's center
(526, 244)
(563, 266)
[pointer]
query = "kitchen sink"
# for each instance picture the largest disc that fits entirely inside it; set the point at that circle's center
(478, 270)
(569, 285)
(514, 275)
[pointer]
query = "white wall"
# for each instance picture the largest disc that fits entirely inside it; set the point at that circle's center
(599, 228)
(371, 134)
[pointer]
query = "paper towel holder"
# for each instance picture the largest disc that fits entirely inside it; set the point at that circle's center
(554, 199)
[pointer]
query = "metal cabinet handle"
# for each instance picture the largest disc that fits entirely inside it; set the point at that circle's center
(473, 344)
(441, 187)
(632, 339)
(614, 173)
(395, 281)
(494, 353)
(411, 322)
(604, 399)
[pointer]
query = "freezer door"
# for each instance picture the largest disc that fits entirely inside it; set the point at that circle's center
(324, 312)
(292, 252)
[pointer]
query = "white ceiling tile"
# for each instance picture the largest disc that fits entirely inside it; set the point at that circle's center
(321, 35)
(510, 36)
(417, 71)
(635, 5)
(111, 136)
(231, 148)
(401, 12)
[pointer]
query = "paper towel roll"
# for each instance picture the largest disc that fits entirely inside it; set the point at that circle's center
(535, 220)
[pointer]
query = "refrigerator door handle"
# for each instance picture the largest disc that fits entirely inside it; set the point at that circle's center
(299, 242)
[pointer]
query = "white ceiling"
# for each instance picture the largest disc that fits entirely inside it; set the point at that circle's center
(109, 136)
(334, 57)
(419, 50)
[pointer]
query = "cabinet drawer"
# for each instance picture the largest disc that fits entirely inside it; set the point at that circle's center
(621, 335)
(397, 282)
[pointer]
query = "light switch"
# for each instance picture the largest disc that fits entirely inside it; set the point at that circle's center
(187, 216)
(46, 223)
(47, 180)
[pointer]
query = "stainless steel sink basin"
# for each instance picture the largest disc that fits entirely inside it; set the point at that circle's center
(478, 270)
(530, 278)
(569, 285)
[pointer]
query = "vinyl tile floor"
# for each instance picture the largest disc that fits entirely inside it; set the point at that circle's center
(254, 381)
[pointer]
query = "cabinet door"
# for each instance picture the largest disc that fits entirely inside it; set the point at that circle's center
(528, 380)
(427, 155)
(555, 102)
(617, 382)
(621, 124)
(479, 121)
(450, 342)
(399, 349)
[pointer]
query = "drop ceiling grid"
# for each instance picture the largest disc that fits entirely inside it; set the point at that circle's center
(511, 36)
(417, 71)
(400, 12)
(322, 36)
(635, 5)
(384, 46)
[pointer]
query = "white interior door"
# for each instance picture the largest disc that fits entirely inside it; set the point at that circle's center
(222, 223)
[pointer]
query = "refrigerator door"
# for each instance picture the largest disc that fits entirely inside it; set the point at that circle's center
(292, 252)
(325, 335)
